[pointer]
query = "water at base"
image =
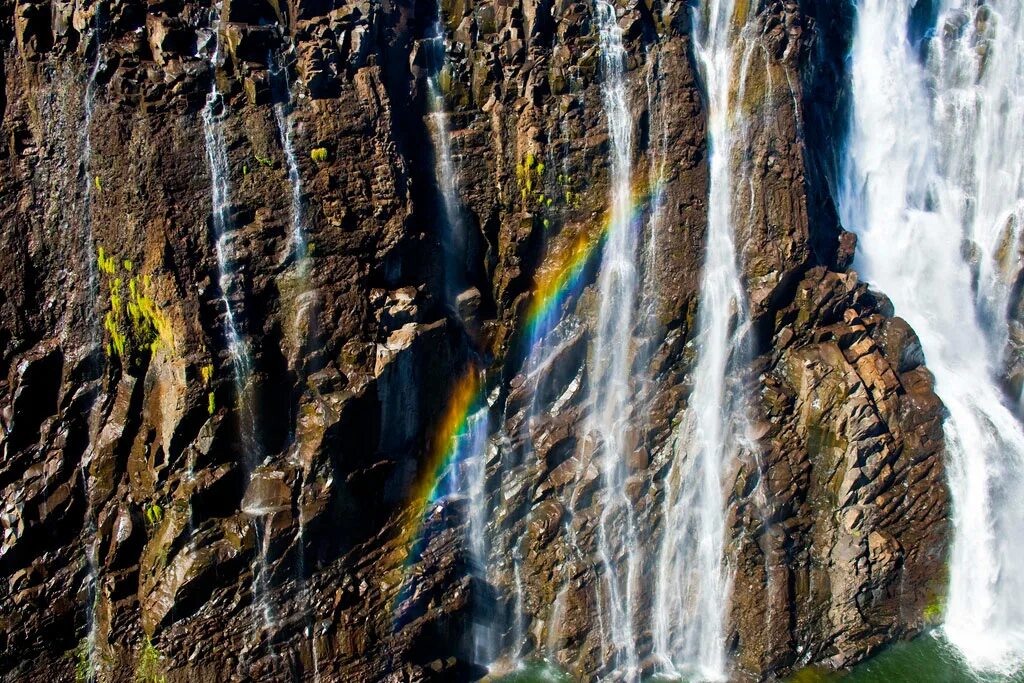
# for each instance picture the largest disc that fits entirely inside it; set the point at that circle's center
(534, 672)
(926, 659)
(933, 188)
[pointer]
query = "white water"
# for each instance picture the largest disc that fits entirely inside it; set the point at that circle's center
(238, 351)
(217, 158)
(453, 237)
(91, 293)
(610, 389)
(471, 462)
(299, 254)
(284, 126)
(934, 164)
(658, 146)
(693, 582)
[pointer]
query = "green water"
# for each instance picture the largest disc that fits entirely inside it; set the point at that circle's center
(924, 660)
(535, 672)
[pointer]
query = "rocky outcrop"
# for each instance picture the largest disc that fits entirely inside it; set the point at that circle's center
(162, 518)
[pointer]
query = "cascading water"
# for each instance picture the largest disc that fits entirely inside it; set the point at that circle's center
(610, 389)
(92, 320)
(658, 131)
(284, 126)
(217, 157)
(470, 477)
(299, 254)
(453, 239)
(933, 188)
(692, 580)
(238, 351)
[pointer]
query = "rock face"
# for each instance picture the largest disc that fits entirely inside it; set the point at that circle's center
(162, 518)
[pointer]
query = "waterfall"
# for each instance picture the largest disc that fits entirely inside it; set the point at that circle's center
(92, 320)
(692, 580)
(453, 240)
(299, 253)
(658, 133)
(88, 108)
(610, 389)
(217, 158)
(933, 188)
(471, 464)
(238, 351)
(284, 126)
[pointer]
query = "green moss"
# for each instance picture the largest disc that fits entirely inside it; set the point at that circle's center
(85, 669)
(319, 154)
(211, 403)
(135, 325)
(444, 81)
(149, 665)
(264, 161)
(106, 264)
(154, 514)
(935, 609)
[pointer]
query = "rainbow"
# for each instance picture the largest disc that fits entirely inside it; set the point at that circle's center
(444, 452)
(453, 427)
(557, 281)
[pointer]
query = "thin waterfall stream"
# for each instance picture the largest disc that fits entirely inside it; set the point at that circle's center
(466, 477)
(238, 350)
(220, 190)
(304, 318)
(92, 320)
(693, 581)
(299, 247)
(933, 188)
(453, 237)
(611, 391)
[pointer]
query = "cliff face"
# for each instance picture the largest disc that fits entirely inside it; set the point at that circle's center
(161, 516)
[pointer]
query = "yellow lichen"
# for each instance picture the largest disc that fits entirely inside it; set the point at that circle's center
(134, 323)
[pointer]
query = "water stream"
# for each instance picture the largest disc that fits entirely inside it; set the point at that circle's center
(282, 109)
(91, 294)
(611, 389)
(304, 316)
(230, 288)
(693, 582)
(454, 242)
(933, 188)
(220, 190)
